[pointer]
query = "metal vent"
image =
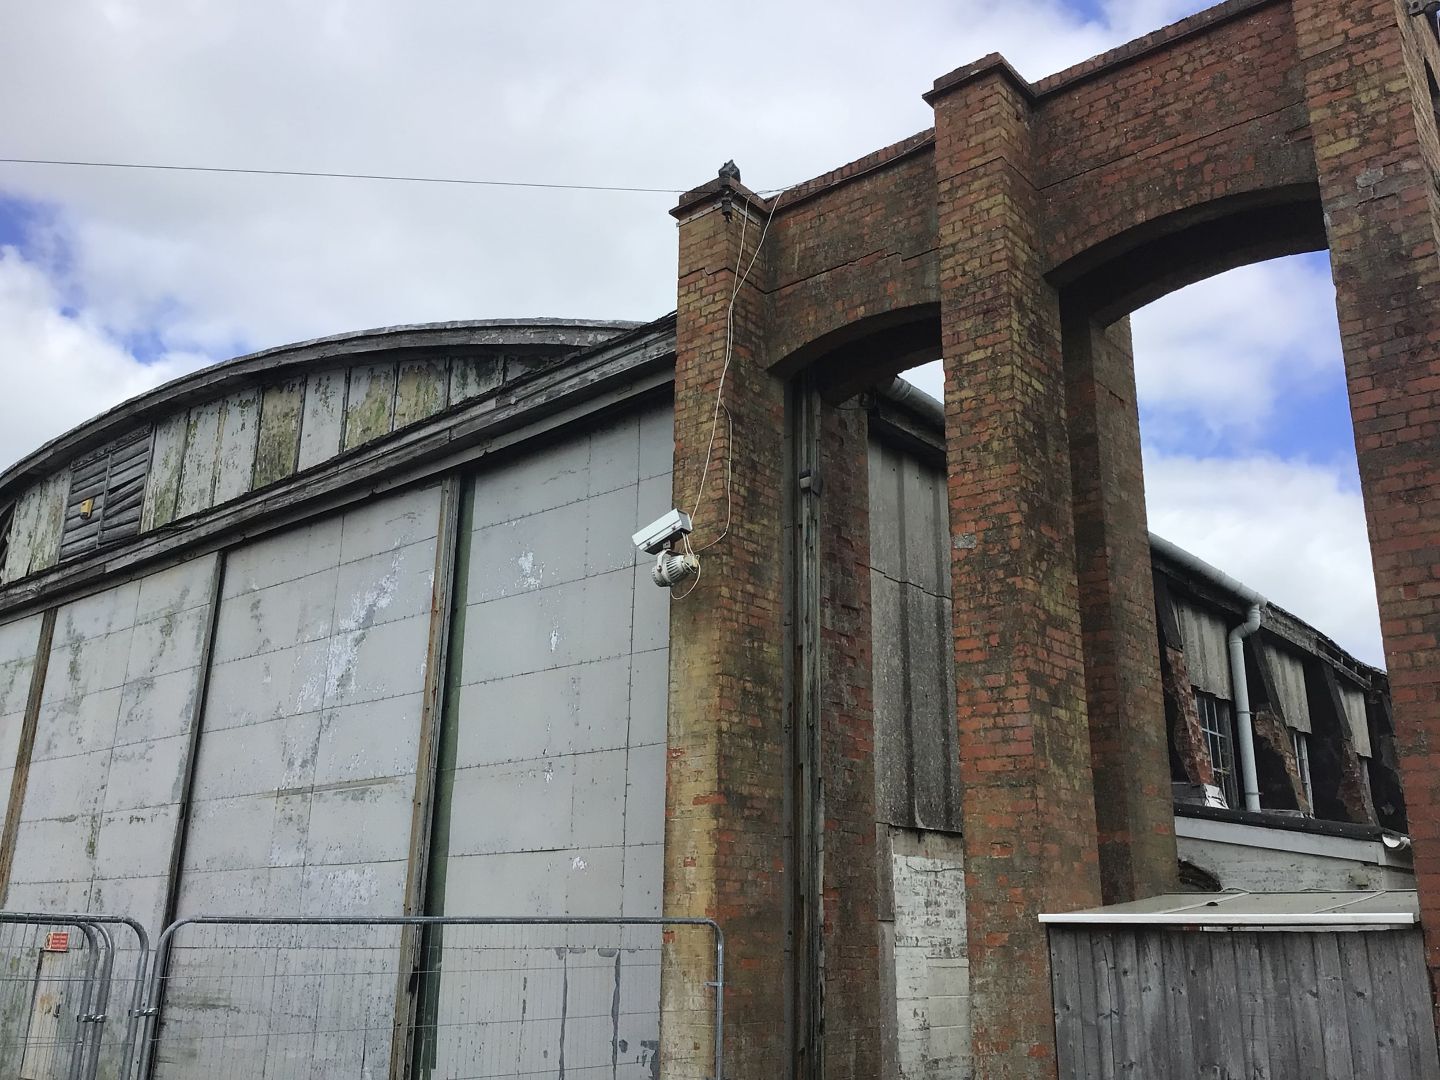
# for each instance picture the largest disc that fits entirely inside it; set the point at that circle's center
(107, 491)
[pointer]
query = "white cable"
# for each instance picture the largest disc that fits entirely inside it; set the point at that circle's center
(696, 583)
(740, 280)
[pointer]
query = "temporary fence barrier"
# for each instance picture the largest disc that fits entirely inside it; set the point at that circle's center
(430, 997)
(54, 990)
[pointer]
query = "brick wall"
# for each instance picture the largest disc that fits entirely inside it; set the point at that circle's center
(1117, 609)
(1375, 142)
(726, 843)
(1203, 146)
(1029, 818)
(852, 962)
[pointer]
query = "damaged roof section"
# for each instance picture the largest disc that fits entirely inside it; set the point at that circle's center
(1324, 741)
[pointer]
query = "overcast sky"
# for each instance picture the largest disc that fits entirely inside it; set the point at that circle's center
(113, 281)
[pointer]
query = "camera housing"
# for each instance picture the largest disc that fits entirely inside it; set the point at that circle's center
(662, 532)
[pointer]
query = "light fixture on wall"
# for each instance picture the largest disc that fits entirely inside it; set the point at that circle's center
(671, 567)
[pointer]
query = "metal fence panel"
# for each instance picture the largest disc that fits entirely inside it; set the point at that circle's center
(453, 998)
(53, 984)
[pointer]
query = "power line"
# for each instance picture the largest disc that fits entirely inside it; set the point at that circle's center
(344, 176)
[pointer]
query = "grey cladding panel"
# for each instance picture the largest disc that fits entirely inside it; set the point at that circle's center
(917, 772)
(558, 676)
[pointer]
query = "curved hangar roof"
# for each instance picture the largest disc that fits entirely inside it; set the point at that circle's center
(258, 422)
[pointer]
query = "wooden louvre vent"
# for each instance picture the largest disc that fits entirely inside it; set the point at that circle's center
(107, 490)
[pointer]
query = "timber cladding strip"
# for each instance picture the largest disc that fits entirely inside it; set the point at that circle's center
(1161, 1002)
(270, 424)
(1015, 234)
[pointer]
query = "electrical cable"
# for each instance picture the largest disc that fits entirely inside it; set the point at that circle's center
(319, 174)
(696, 583)
(740, 280)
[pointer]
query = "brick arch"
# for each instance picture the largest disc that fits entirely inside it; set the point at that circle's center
(1143, 263)
(858, 354)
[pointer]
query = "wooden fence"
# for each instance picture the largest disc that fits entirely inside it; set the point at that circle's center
(1155, 1003)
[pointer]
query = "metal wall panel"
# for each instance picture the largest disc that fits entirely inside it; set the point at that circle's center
(307, 758)
(917, 771)
(305, 775)
(18, 643)
(1287, 669)
(556, 781)
(1353, 698)
(1207, 655)
(98, 825)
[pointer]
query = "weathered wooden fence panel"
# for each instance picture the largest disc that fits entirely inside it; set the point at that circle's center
(1136, 1003)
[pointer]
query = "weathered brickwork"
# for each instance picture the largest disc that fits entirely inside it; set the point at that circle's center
(1028, 805)
(1010, 239)
(1374, 138)
(852, 959)
(1117, 613)
(726, 844)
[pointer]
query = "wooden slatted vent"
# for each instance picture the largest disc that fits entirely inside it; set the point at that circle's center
(107, 490)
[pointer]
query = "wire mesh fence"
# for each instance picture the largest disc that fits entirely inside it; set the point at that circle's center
(53, 987)
(431, 998)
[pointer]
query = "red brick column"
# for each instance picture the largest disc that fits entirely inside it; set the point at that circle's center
(853, 1024)
(1133, 805)
(1029, 817)
(1378, 156)
(726, 843)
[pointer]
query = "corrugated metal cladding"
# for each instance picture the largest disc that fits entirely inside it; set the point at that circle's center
(917, 767)
(1207, 656)
(1287, 670)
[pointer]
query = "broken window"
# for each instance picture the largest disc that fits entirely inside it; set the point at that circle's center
(107, 490)
(1218, 723)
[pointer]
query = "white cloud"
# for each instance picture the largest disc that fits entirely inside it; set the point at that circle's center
(645, 93)
(59, 371)
(1215, 361)
(1294, 531)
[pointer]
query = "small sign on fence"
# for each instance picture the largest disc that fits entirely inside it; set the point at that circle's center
(57, 941)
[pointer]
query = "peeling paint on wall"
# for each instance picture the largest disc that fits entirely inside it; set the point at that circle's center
(370, 404)
(278, 445)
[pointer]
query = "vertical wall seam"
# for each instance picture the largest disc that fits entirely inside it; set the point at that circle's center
(192, 750)
(422, 806)
(21, 777)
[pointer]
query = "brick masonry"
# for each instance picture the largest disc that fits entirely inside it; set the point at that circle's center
(1008, 238)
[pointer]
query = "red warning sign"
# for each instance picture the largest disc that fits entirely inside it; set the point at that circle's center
(57, 941)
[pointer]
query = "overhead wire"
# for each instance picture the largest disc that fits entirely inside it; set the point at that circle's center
(326, 175)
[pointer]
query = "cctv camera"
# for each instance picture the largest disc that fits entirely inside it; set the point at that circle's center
(660, 534)
(1417, 8)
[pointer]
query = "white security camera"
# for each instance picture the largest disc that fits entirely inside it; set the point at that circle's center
(661, 533)
(671, 567)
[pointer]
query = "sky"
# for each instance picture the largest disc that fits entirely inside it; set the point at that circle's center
(114, 281)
